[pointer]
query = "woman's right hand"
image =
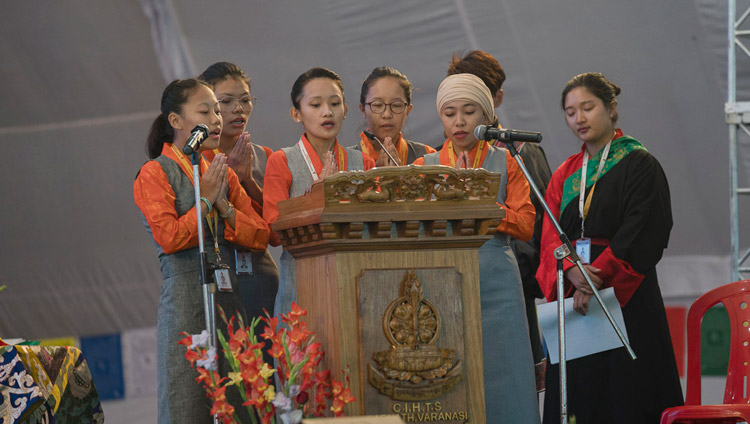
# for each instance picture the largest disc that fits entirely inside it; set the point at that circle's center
(213, 179)
(575, 276)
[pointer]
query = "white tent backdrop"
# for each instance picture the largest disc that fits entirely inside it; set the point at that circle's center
(82, 81)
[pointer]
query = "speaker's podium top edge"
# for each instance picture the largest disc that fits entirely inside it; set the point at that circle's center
(393, 205)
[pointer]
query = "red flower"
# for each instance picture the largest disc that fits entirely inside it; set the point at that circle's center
(192, 356)
(302, 398)
(187, 340)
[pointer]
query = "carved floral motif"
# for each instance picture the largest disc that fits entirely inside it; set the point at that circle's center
(411, 184)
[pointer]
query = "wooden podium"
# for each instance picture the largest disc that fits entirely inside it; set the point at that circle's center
(387, 269)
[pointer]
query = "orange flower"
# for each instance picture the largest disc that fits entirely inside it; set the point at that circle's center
(292, 318)
(299, 333)
(220, 407)
(276, 350)
(341, 396)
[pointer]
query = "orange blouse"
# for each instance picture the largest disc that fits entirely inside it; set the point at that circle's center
(519, 211)
(155, 197)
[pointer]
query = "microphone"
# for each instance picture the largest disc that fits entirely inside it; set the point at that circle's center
(199, 133)
(485, 132)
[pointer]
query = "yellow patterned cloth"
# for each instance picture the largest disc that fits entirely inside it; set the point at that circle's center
(40, 384)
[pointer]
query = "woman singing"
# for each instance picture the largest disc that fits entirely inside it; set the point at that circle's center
(163, 190)
(318, 104)
(464, 102)
(259, 277)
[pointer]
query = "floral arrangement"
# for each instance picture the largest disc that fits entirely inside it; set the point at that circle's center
(302, 391)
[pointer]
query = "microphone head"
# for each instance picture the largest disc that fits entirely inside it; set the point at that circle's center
(369, 135)
(201, 128)
(480, 132)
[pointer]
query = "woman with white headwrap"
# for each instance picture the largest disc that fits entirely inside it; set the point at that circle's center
(463, 103)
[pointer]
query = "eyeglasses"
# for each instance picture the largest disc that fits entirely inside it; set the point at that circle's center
(229, 103)
(379, 107)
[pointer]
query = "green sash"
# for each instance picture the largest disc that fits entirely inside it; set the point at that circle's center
(618, 150)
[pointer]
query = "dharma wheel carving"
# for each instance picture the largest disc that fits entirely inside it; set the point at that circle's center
(414, 368)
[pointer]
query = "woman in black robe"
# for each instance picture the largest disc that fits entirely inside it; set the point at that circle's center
(625, 217)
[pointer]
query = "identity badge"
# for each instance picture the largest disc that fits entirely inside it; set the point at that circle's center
(222, 279)
(583, 249)
(244, 261)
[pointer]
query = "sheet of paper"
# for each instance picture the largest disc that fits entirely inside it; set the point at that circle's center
(584, 334)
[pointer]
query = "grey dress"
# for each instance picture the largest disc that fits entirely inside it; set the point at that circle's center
(301, 181)
(180, 398)
(509, 387)
(258, 290)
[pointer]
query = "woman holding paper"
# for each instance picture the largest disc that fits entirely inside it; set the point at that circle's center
(619, 221)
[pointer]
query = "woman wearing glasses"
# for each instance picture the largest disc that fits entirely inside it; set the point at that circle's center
(256, 271)
(385, 102)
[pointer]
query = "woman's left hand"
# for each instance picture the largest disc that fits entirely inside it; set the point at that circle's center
(575, 276)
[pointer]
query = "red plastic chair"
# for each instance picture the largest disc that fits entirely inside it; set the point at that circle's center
(736, 407)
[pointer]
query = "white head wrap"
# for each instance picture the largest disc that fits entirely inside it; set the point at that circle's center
(466, 87)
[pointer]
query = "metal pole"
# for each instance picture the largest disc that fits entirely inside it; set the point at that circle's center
(209, 306)
(562, 343)
(731, 100)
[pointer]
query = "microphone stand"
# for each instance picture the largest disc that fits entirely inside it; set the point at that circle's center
(565, 251)
(209, 305)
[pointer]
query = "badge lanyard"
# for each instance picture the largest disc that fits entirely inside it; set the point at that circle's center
(477, 158)
(308, 161)
(187, 169)
(583, 207)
